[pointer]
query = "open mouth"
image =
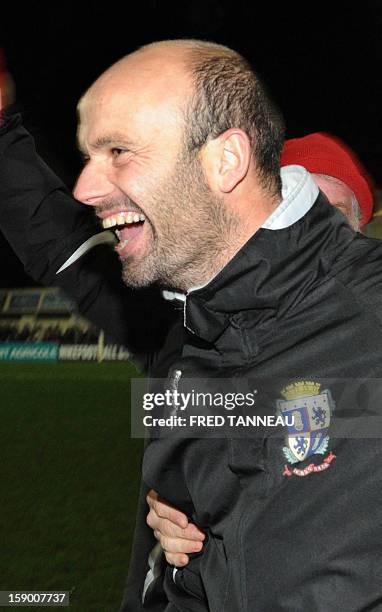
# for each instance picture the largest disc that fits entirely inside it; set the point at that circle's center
(126, 225)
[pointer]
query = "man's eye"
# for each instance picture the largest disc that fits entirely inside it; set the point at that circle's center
(117, 151)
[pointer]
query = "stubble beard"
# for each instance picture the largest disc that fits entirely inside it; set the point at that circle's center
(192, 237)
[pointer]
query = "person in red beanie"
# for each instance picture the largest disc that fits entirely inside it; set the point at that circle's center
(337, 171)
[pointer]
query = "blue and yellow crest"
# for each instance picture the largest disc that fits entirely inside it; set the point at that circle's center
(310, 410)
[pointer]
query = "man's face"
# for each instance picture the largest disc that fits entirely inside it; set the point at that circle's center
(141, 183)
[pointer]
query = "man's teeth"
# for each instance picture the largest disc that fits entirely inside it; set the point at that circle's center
(122, 219)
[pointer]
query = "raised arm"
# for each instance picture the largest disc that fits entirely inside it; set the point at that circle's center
(45, 226)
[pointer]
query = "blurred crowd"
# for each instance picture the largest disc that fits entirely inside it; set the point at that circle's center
(11, 332)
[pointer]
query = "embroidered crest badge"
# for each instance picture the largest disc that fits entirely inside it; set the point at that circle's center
(309, 410)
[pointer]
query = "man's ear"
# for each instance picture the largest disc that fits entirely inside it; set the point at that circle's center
(227, 159)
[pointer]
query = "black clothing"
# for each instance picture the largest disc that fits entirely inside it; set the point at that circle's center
(300, 303)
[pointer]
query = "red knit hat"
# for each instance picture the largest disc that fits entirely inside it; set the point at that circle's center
(325, 154)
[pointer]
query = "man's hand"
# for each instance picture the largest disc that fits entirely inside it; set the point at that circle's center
(171, 528)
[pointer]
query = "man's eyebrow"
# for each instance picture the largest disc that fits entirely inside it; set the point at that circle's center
(105, 141)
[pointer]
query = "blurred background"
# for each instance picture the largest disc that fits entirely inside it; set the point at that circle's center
(69, 469)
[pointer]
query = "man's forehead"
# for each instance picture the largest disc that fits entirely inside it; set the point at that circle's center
(125, 113)
(144, 77)
(102, 102)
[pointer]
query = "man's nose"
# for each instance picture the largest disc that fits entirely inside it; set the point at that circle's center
(92, 185)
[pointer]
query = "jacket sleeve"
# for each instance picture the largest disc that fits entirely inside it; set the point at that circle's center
(44, 226)
(38, 217)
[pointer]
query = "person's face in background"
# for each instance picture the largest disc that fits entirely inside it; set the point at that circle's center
(341, 196)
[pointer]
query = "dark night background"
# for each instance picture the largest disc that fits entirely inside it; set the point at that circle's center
(322, 62)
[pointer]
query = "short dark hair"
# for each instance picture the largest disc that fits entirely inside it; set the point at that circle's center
(227, 93)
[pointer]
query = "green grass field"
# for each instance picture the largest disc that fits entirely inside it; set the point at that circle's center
(69, 480)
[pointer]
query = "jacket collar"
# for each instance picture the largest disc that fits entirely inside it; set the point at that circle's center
(299, 193)
(296, 245)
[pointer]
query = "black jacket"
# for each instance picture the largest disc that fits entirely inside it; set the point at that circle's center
(295, 305)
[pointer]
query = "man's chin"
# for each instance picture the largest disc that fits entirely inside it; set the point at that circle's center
(146, 272)
(137, 276)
